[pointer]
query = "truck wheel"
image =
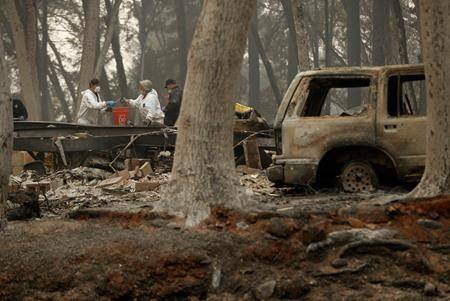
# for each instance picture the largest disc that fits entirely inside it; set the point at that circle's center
(358, 176)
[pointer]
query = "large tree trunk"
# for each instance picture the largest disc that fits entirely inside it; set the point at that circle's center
(183, 47)
(47, 106)
(304, 60)
(352, 8)
(110, 29)
(380, 17)
(203, 170)
(292, 40)
(6, 133)
(26, 49)
(254, 84)
(88, 57)
(435, 25)
(267, 64)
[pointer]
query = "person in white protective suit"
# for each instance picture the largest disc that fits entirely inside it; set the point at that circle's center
(91, 104)
(148, 104)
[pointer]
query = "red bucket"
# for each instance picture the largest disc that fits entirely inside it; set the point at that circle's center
(120, 116)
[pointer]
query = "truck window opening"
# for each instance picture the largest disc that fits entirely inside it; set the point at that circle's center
(407, 95)
(337, 97)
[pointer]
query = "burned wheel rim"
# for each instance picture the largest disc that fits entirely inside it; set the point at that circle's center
(358, 177)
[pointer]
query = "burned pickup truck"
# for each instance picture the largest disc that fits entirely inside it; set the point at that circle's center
(353, 127)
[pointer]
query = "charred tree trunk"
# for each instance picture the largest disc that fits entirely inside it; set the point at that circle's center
(328, 39)
(267, 64)
(88, 58)
(352, 7)
(58, 91)
(115, 44)
(47, 106)
(436, 51)
(303, 43)
(253, 68)
(26, 59)
(180, 11)
(6, 133)
(292, 40)
(380, 19)
(67, 78)
(400, 22)
(203, 171)
(110, 29)
(419, 30)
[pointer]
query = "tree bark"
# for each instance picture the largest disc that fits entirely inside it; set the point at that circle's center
(253, 68)
(6, 133)
(89, 54)
(115, 45)
(380, 13)
(292, 40)
(328, 39)
(419, 30)
(402, 39)
(303, 43)
(203, 170)
(47, 106)
(67, 78)
(183, 47)
(353, 21)
(26, 60)
(58, 91)
(267, 64)
(110, 29)
(435, 26)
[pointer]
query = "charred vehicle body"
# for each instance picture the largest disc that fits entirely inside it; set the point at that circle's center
(356, 127)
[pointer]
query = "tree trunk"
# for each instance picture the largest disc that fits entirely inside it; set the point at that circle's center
(24, 55)
(115, 44)
(58, 91)
(203, 170)
(380, 19)
(89, 54)
(6, 133)
(292, 40)
(67, 78)
(267, 64)
(299, 8)
(436, 51)
(180, 11)
(328, 40)
(47, 106)
(419, 30)
(352, 8)
(253, 69)
(110, 29)
(402, 39)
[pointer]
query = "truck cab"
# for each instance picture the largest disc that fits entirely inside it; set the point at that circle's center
(355, 127)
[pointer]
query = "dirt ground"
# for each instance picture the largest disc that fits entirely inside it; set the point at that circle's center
(310, 247)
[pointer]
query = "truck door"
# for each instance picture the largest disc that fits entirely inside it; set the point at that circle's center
(401, 121)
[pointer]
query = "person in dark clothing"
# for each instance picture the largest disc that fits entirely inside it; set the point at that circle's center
(20, 112)
(175, 96)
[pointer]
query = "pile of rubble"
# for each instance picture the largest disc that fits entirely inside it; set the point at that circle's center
(66, 191)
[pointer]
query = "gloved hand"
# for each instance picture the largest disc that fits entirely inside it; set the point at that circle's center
(111, 104)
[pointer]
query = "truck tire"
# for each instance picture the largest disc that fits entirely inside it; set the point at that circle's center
(358, 176)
